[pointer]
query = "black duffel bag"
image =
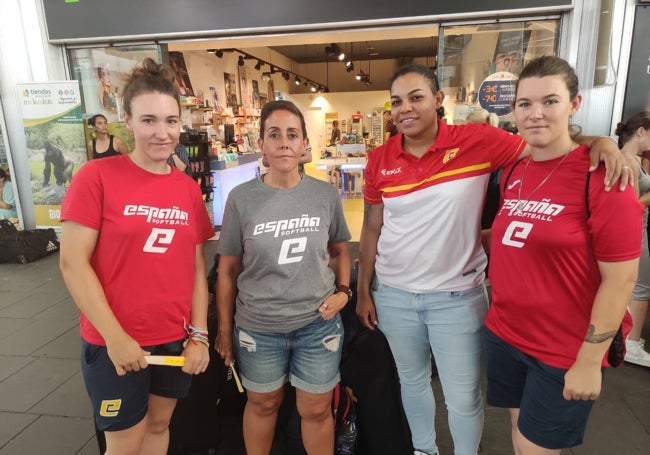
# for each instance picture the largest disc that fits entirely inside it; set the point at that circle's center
(26, 246)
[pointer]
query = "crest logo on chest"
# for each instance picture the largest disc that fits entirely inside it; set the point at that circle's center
(450, 154)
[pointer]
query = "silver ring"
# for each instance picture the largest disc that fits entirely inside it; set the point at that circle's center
(625, 167)
(325, 305)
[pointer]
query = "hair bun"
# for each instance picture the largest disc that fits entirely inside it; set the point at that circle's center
(620, 128)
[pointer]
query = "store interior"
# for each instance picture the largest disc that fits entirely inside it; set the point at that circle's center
(225, 82)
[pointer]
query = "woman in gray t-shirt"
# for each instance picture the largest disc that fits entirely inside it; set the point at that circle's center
(284, 265)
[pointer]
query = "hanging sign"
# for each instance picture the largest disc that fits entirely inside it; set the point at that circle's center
(56, 148)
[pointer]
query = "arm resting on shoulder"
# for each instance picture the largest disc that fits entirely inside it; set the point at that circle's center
(584, 378)
(605, 149)
(373, 220)
(77, 246)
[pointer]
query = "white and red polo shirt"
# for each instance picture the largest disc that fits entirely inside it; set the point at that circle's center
(430, 239)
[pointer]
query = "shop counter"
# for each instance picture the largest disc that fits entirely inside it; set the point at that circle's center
(350, 149)
(227, 175)
(346, 174)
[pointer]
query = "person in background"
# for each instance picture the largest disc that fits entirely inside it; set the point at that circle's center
(422, 265)
(180, 159)
(562, 270)
(336, 133)
(634, 139)
(284, 264)
(133, 229)
(7, 198)
(483, 116)
(103, 144)
(305, 157)
(390, 128)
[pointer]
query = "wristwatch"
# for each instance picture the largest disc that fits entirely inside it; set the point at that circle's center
(345, 289)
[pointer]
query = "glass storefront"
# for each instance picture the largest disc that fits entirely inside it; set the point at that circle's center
(99, 72)
(479, 64)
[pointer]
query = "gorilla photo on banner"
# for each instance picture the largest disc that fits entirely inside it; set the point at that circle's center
(63, 167)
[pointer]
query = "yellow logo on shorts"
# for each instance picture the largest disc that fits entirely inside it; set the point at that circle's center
(110, 408)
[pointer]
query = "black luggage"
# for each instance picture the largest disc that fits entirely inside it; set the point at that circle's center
(195, 427)
(25, 246)
(209, 419)
(368, 369)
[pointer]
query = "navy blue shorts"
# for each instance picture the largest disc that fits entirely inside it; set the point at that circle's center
(516, 380)
(120, 402)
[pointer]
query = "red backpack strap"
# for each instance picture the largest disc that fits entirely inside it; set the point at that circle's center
(336, 401)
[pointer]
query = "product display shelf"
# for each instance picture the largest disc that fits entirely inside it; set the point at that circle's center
(198, 151)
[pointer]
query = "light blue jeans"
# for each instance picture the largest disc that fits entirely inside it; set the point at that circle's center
(449, 324)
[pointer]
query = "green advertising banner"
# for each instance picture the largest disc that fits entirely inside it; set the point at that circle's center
(54, 132)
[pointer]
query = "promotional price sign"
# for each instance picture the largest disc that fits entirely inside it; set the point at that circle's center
(497, 93)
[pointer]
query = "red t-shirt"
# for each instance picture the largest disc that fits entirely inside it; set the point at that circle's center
(543, 263)
(149, 226)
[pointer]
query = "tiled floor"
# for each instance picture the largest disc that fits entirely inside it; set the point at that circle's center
(44, 408)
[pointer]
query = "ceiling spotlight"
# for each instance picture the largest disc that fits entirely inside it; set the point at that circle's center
(266, 76)
(313, 88)
(285, 75)
(297, 80)
(349, 66)
(219, 53)
(358, 76)
(240, 62)
(335, 51)
(258, 66)
(273, 69)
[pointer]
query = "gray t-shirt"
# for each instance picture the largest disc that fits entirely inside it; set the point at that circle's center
(282, 236)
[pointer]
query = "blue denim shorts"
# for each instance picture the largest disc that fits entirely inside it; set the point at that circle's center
(516, 380)
(120, 402)
(309, 357)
